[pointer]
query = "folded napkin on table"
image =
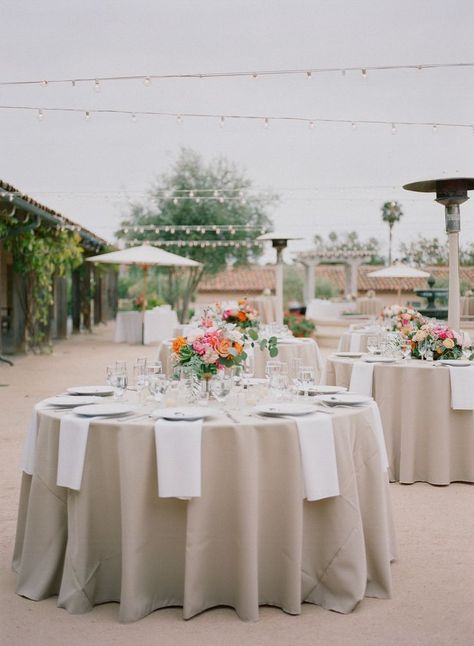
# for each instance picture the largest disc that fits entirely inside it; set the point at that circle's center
(178, 458)
(362, 378)
(318, 456)
(73, 434)
(355, 342)
(29, 448)
(462, 387)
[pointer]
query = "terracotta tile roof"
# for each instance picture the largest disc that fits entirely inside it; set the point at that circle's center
(335, 274)
(242, 279)
(257, 278)
(9, 192)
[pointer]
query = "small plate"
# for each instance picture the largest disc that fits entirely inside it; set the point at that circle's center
(104, 410)
(377, 359)
(349, 355)
(344, 399)
(100, 391)
(69, 401)
(189, 413)
(275, 410)
(458, 363)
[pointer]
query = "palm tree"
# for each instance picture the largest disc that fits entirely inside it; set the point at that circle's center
(391, 213)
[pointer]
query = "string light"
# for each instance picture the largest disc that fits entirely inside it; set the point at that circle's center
(134, 118)
(221, 122)
(73, 83)
(147, 78)
(353, 125)
(393, 129)
(311, 125)
(96, 85)
(87, 115)
(40, 115)
(240, 117)
(364, 73)
(434, 130)
(309, 75)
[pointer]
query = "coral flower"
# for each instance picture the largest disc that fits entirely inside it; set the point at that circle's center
(239, 347)
(242, 316)
(222, 347)
(178, 343)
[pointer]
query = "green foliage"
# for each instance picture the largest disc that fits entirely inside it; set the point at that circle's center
(209, 183)
(349, 242)
(326, 289)
(425, 251)
(40, 254)
(293, 282)
(391, 212)
(299, 325)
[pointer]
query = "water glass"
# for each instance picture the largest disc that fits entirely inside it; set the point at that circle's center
(306, 378)
(295, 367)
(249, 367)
(119, 382)
(221, 386)
(157, 385)
(273, 366)
(405, 349)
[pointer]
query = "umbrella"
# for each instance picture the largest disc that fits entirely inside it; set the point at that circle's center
(398, 270)
(145, 256)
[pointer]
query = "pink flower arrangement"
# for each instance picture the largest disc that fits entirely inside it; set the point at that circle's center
(401, 319)
(437, 338)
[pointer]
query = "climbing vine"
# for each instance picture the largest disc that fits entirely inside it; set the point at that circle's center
(39, 254)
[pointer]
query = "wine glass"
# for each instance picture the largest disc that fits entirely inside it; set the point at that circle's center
(119, 382)
(249, 367)
(295, 365)
(405, 348)
(271, 367)
(306, 378)
(278, 385)
(157, 385)
(221, 385)
(372, 344)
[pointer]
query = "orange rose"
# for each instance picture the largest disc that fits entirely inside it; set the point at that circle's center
(223, 347)
(178, 343)
(241, 316)
(239, 347)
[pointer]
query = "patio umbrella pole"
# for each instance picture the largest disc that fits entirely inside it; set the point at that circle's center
(454, 302)
(145, 283)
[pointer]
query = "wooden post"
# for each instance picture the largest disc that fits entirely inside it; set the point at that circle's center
(76, 300)
(86, 296)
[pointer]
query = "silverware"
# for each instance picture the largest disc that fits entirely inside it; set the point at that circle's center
(231, 417)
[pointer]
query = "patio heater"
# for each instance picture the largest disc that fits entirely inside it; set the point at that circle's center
(450, 192)
(279, 242)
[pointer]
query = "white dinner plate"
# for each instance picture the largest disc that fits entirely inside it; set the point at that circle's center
(349, 355)
(100, 391)
(275, 410)
(344, 399)
(69, 401)
(329, 390)
(186, 413)
(455, 362)
(253, 381)
(377, 359)
(104, 410)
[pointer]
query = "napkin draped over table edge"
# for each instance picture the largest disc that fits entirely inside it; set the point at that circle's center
(462, 387)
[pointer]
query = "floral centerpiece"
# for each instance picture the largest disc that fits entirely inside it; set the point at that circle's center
(299, 325)
(244, 316)
(401, 319)
(208, 346)
(436, 338)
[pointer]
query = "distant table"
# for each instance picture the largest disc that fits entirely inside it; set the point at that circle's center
(159, 325)
(293, 348)
(129, 328)
(426, 439)
(369, 306)
(321, 309)
(265, 306)
(467, 306)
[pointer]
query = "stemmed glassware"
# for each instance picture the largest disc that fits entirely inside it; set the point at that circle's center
(372, 343)
(467, 349)
(118, 378)
(221, 386)
(306, 379)
(405, 348)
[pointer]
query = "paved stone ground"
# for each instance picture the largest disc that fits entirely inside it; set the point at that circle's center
(433, 597)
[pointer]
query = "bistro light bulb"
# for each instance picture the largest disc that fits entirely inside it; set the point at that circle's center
(364, 73)
(435, 129)
(87, 115)
(44, 83)
(311, 125)
(147, 81)
(221, 122)
(309, 76)
(96, 86)
(40, 115)
(179, 119)
(393, 129)
(353, 125)
(134, 118)
(266, 123)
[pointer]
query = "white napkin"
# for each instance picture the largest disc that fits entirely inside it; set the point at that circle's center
(361, 378)
(178, 458)
(355, 342)
(462, 387)
(29, 448)
(378, 430)
(73, 434)
(318, 456)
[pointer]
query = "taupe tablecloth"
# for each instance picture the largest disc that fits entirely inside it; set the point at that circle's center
(249, 540)
(426, 439)
(369, 306)
(467, 306)
(265, 306)
(345, 341)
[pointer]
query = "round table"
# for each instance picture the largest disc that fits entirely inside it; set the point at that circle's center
(265, 306)
(426, 439)
(369, 306)
(250, 539)
(129, 327)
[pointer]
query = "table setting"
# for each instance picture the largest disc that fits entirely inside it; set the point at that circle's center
(151, 497)
(423, 382)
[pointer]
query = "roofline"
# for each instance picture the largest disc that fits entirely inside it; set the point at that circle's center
(16, 198)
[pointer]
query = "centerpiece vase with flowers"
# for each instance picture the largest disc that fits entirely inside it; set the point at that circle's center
(401, 319)
(435, 338)
(245, 317)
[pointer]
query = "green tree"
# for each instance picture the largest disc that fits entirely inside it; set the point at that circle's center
(391, 213)
(196, 194)
(349, 242)
(425, 252)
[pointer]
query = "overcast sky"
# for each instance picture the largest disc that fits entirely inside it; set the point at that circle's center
(329, 178)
